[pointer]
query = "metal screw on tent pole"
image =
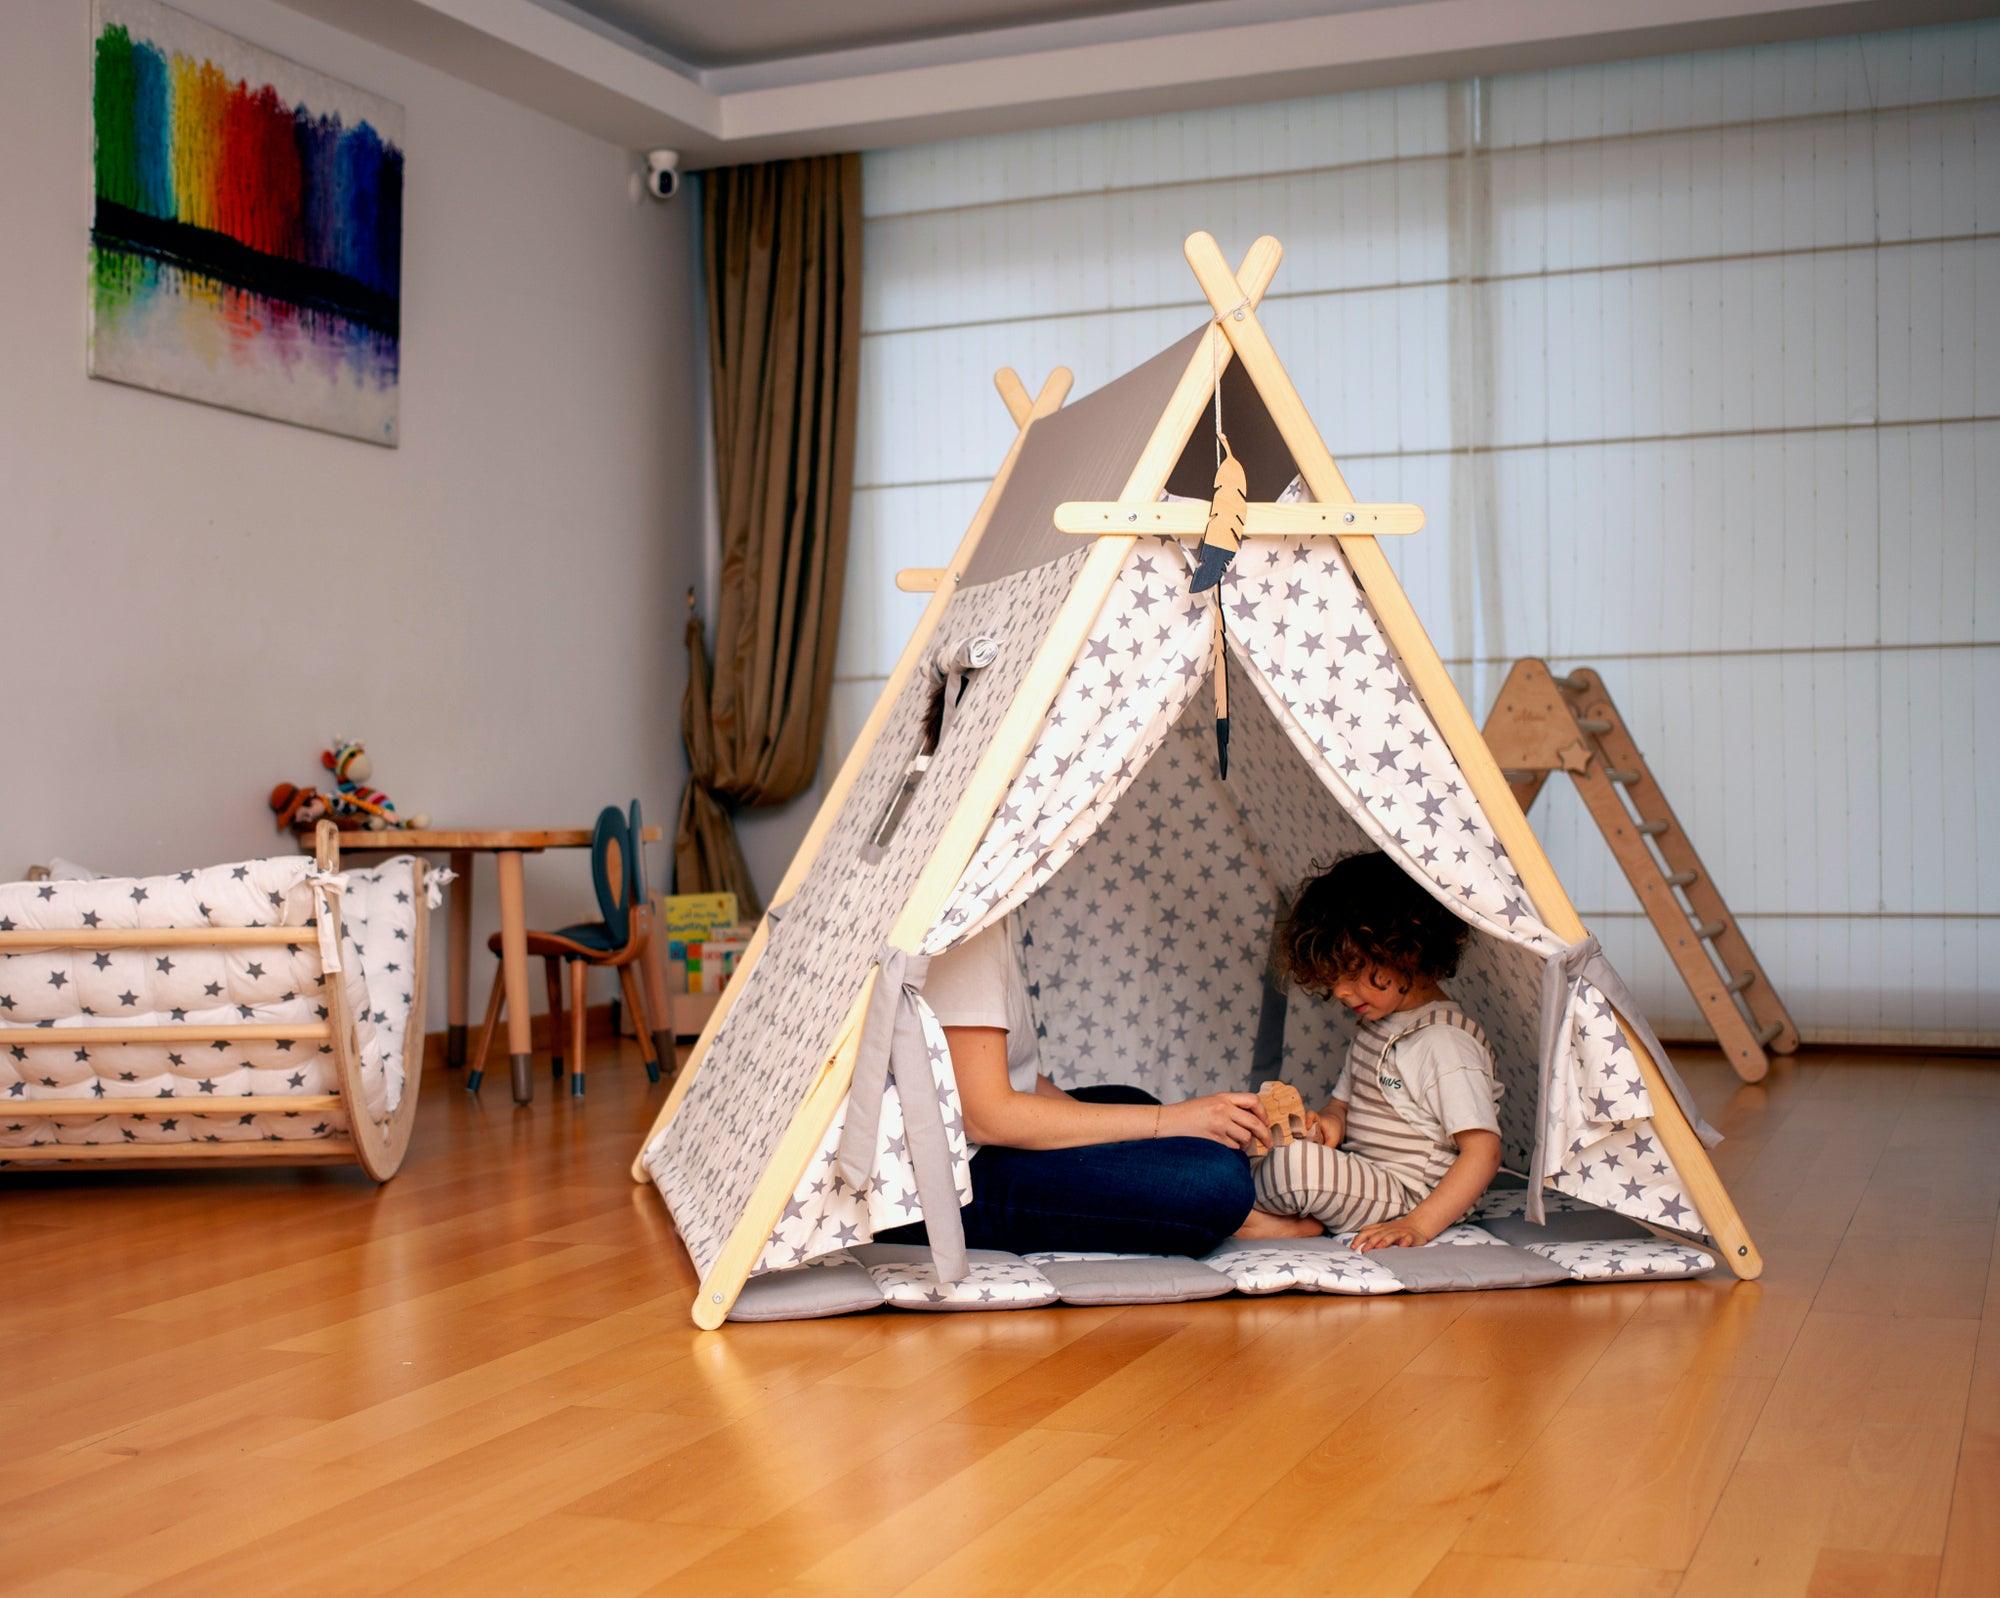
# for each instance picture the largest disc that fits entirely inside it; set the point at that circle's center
(1348, 518)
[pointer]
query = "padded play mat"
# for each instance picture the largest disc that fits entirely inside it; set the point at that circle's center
(1495, 1246)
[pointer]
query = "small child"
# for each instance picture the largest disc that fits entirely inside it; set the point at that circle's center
(1410, 1140)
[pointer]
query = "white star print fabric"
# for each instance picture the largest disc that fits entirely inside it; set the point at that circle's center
(1148, 885)
(1144, 659)
(788, 1018)
(70, 992)
(826, 1213)
(1149, 901)
(1329, 678)
(1147, 888)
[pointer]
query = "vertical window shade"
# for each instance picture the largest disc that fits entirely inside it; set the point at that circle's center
(1694, 362)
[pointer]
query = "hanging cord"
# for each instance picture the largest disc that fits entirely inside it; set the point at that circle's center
(1221, 682)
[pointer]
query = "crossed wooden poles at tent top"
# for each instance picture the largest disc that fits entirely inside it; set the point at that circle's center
(1234, 333)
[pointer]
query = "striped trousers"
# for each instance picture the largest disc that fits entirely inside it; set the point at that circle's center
(1338, 1189)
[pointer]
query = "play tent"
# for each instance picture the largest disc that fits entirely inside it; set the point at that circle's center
(1076, 789)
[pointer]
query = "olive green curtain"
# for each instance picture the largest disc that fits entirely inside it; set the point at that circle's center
(781, 243)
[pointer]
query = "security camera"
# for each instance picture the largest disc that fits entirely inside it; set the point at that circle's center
(663, 173)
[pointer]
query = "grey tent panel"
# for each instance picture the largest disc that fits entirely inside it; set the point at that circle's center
(1087, 449)
(808, 1295)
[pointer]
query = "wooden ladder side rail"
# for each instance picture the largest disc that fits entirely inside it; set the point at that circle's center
(1541, 724)
(1237, 318)
(1055, 389)
(985, 789)
(1770, 1029)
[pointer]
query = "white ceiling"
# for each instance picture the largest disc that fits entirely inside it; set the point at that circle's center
(745, 80)
(705, 34)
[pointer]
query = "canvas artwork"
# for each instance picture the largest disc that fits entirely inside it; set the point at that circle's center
(246, 245)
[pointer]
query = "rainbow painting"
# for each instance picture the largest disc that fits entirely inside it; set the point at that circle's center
(247, 237)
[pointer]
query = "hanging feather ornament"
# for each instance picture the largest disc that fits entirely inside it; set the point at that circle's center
(1225, 517)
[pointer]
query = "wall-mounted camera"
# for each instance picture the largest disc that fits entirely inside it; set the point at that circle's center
(663, 173)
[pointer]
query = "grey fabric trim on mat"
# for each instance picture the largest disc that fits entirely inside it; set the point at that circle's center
(1155, 1279)
(1468, 1267)
(806, 1294)
(1564, 1226)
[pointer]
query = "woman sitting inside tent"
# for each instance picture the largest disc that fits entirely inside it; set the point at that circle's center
(1093, 1168)
(1107, 1168)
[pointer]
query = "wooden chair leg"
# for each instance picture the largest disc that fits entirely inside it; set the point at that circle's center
(628, 983)
(579, 989)
(493, 1002)
(552, 969)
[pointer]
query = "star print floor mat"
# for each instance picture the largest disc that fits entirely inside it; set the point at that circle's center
(1495, 1246)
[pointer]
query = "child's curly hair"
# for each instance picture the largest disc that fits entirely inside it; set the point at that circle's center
(1366, 910)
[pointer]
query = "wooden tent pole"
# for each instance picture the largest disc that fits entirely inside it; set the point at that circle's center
(1236, 315)
(984, 791)
(1055, 389)
(1014, 395)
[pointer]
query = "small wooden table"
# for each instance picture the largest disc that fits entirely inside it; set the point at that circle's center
(508, 845)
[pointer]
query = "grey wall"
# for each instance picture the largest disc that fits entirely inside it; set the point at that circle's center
(193, 603)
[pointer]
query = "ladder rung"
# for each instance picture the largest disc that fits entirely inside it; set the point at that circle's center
(1652, 829)
(1621, 776)
(1513, 775)
(1739, 982)
(1593, 724)
(1768, 1032)
(1573, 684)
(1680, 879)
(1711, 929)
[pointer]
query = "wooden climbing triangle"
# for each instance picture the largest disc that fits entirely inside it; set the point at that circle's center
(1542, 724)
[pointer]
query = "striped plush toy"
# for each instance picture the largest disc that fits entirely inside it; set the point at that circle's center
(351, 769)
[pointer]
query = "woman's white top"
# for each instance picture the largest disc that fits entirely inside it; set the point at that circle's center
(979, 983)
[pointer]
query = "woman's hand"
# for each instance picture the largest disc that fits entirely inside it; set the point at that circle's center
(1233, 1118)
(1404, 1233)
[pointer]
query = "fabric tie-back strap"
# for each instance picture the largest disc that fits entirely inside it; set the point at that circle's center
(956, 666)
(434, 885)
(892, 1048)
(1564, 977)
(326, 890)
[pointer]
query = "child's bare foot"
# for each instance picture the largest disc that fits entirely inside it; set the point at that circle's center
(1260, 1227)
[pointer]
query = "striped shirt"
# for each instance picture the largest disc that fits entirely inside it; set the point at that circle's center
(1411, 1082)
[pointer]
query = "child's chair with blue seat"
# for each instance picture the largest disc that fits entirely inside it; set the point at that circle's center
(618, 873)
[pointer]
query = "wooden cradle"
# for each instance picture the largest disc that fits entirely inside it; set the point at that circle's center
(378, 1146)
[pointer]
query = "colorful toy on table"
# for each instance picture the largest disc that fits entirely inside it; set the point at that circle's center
(351, 769)
(297, 808)
(1284, 1112)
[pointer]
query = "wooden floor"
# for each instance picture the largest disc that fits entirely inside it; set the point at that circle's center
(482, 1379)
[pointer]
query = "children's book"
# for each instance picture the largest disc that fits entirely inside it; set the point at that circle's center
(696, 915)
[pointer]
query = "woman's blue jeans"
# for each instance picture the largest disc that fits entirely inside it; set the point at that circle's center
(1170, 1195)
